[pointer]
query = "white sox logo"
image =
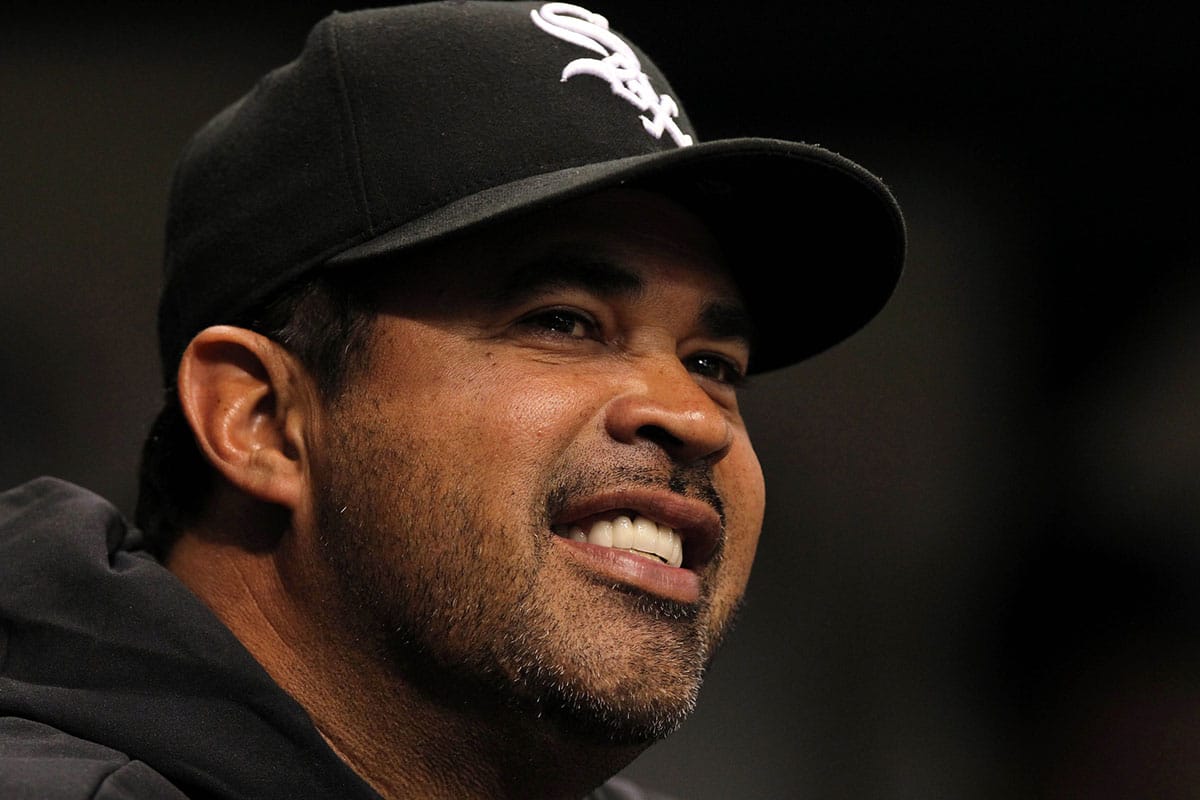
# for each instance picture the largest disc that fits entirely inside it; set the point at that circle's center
(618, 65)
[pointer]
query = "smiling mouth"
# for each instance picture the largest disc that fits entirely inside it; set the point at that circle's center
(633, 533)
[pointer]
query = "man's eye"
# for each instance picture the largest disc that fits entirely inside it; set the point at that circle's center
(562, 321)
(717, 368)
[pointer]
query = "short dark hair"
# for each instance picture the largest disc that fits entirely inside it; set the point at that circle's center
(325, 323)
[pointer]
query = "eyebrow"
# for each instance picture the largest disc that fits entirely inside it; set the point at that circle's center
(720, 319)
(723, 319)
(562, 270)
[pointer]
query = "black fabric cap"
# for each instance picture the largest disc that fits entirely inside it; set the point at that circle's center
(399, 126)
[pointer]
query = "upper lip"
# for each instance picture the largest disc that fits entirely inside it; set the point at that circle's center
(698, 524)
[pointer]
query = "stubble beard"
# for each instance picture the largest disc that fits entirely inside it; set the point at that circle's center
(399, 536)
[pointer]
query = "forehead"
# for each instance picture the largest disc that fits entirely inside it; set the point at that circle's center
(623, 218)
(612, 236)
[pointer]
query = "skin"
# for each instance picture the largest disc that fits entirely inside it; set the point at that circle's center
(398, 541)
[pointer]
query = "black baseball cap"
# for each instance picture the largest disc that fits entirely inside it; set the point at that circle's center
(397, 127)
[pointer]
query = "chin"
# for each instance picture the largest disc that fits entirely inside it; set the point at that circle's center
(617, 686)
(587, 716)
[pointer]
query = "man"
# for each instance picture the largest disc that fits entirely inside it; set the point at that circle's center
(450, 496)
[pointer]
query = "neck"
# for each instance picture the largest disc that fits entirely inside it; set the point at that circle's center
(402, 739)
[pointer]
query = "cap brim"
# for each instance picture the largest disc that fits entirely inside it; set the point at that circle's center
(815, 242)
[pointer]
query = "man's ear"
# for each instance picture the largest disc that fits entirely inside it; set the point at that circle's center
(248, 402)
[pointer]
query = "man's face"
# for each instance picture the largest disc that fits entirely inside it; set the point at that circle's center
(543, 383)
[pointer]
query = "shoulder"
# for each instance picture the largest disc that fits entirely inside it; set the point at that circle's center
(38, 762)
(47, 513)
(623, 789)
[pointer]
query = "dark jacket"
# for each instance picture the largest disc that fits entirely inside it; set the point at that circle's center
(117, 683)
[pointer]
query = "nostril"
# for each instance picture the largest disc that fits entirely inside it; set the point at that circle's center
(661, 437)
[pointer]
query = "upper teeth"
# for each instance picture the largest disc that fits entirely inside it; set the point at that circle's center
(638, 535)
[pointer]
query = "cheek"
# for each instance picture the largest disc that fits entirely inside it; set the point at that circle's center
(744, 507)
(526, 419)
(479, 403)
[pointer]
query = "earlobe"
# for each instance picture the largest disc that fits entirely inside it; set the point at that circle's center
(244, 397)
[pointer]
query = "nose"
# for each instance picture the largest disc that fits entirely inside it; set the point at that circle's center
(664, 405)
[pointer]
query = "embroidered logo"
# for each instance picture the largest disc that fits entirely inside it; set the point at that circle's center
(618, 65)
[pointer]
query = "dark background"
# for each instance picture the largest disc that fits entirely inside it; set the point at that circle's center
(978, 575)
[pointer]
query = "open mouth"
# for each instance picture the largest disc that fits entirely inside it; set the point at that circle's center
(630, 532)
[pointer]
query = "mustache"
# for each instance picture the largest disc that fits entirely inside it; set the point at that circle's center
(688, 480)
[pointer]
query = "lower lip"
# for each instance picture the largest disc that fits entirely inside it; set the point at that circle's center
(620, 566)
